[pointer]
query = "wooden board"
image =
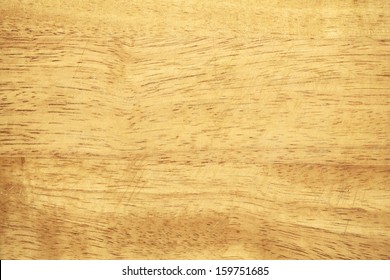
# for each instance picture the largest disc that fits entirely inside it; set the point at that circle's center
(194, 129)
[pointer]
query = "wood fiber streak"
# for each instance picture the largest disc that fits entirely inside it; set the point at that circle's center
(194, 129)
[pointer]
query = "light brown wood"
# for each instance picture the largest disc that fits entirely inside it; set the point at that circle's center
(194, 129)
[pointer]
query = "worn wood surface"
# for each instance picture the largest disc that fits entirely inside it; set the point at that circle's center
(194, 129)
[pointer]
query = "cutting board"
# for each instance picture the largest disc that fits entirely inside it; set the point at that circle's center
(194, 129)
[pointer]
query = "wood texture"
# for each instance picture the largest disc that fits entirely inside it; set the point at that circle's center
(194, 129)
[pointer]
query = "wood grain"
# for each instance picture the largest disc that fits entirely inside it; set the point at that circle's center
(194, 129)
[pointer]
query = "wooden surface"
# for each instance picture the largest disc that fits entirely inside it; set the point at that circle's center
(194, 129)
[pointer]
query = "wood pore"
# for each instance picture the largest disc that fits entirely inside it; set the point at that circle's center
(194, 129)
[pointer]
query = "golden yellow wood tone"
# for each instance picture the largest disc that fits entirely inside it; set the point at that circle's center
(194, 129)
